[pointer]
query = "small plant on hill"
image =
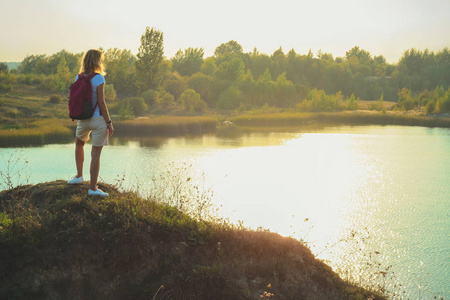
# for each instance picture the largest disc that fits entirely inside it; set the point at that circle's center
(13, 173)
(55, 99)
(4, 88)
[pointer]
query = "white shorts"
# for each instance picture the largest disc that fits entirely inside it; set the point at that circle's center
(99, 131)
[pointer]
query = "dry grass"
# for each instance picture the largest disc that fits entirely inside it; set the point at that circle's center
(367, 104)
(37, 132)
(340, 118)
(55, 241)
(167, 125)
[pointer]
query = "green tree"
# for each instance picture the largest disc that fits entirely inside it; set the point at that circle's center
(265, 89)
(381, 104)
(363, 56)
(3, 68)
(126, 111)
(120, 65)
(259, 63)
(209, 66)
(231, 70)
(150, 97)
(278, 64)
(62, 79)
(110, 93)
(230, 98)
(443, 104)
(149, 59)
(188, 62)
(231, 47)
(430, 107)
(138, 105)
(405, 100)
(175, 85)
(352, 103)
(191, 101)
(286, 93)
(28, 64)
(202, 84)
(165, 101)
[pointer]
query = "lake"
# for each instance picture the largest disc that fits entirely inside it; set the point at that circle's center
(372, 201)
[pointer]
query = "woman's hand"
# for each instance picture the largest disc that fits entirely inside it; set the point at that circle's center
(110, 129)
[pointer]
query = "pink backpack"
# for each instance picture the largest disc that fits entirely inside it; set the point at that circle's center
(80, 98)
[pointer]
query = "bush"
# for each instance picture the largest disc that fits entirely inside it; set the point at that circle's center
(137, 104)
(166, 101)
(30, 79)
(55, 99)
(47, 83)
(192, 102)
(318, 100)
(444, 102)
(230, 98)
(430, 107)
(126, 112)
(7, 78)
(352, 103)
(150, 97)
(4, 88)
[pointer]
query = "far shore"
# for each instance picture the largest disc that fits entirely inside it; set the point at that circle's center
(32, 132)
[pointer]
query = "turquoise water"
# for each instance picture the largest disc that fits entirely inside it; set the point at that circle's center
(372, 201)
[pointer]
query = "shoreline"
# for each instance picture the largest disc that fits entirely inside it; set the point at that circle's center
(45, 131)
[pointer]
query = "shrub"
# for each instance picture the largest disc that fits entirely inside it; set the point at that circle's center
(192, 102)
(30, 79)
(444, 102)
(405, 100)
(352, 103)
(430, 107)
(55, 99)
(7, 78)
(318, 100)
(166, 101)
(230, 98)
(137, 104)
(4, 88)
(126, 112)
(47, 83)
(150, 97)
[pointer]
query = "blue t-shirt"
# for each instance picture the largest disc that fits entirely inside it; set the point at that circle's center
(95, 82)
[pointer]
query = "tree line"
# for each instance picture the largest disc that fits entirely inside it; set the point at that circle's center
(231, 79)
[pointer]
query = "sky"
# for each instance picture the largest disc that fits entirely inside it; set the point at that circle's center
(382, 27)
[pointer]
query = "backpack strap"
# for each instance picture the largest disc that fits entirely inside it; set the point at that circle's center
(96, 104)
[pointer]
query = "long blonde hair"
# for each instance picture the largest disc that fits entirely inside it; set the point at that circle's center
(92, 61)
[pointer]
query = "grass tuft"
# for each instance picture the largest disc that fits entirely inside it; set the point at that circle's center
(55, 241)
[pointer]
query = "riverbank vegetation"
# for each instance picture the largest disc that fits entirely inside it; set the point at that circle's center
(57, 242)
(153, 94)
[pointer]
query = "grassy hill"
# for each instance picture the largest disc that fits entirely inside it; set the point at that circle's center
(58, 243)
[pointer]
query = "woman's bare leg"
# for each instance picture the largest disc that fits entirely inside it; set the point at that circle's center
(79, 156)
(95, 165)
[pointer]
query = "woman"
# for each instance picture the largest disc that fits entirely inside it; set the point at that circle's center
(100, 124)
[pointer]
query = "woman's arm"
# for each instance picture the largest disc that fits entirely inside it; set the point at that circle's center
(103, 108)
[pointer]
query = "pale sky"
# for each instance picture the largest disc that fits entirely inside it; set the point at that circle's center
(382, 27)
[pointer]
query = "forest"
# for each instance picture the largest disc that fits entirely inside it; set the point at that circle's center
(230, 79)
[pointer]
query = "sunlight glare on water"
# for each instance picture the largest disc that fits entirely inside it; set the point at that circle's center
(371, 201)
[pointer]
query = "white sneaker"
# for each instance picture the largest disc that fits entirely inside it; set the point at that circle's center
(98, 192)
(76, 180)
